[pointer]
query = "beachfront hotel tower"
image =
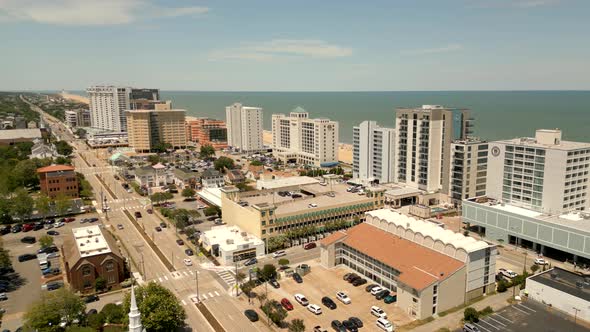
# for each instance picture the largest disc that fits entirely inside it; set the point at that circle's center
(299, 139)
(107, 107)
(423, 144)
(244, 127)
(373, 153)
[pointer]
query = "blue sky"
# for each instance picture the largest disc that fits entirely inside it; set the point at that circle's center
(296, 45)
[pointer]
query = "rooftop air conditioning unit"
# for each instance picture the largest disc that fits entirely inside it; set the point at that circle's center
(553, 275)
(244, 234)
(229, 241)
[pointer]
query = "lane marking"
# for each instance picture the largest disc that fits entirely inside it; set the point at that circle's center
(216, 293)
(186, 274)
(191, 272)
(204, 296)
(527, 308)
(210, 294)
(166, 277)
(497, 321)
(524, 312)
(500, 316)
(160, 279)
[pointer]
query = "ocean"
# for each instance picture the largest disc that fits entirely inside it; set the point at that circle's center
(498, 114)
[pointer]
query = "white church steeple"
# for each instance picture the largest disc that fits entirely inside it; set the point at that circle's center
(134, 314)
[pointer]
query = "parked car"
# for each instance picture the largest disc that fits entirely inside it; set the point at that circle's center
(179, 242)
(278, 254)
(189, 252)
(274, 283)
(541, 261)
(356, 321)
(188, 262)
(59, 224)
(351, 276)
(16, 229)
(53, 233)
(390, 298)
(319, 329)
(163, 225)
(26, 257)
(91, 298)
(158, 229)
(376, 290)
(329, 303)
(51, 271)
(468, 327)
(54, 285)
(120, 226)
(28, 239)
(359, 281)
(301, 299)
(343, 297)
(508, 273)
(350, 326)
(3, 297)
(287, 304)
(310, 245)
(315, 309)
(48, 226)
(337, 325)
(5, 230)
(382, 294)
(150, 211)
(385, 325)
(297, 278)
(251, 315)
(378, 312)
(69, 219)
(137, 214)
(48, 250)
(251, 261)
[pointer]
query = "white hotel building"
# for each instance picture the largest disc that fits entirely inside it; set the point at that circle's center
(297, 138)
(244, 127)
(107, 107)
(374, 153)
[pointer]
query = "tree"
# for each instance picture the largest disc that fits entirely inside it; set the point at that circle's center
(113, 313)
(210, 211)
(46, 314)
(277, 242)
(534, 268)
(22, 204)
(162, 147)
(274, 311)
(283, 262)
(63, 148)
(25, 173)
(471, 315)
(268, 271)
(45, 241)
(297, 325)
(96, 321)
(188, 192)
(42, 204)
(80, 133)
(100, 284)
(62, 204)
(223, 163)
(256, 162)
(159, 308)
(207, 151)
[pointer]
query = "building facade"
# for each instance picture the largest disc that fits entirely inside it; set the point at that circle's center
(423, 144)
(78, 118)
(374, 153)
(244, 127)
(207, 131)
(58, 180)
(149, 128)
(88, 254)
(299, 139)
(469, 165)
(543, 173)
(108, 105)
(230, 244)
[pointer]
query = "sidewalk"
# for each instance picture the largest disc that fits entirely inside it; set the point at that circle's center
(452, 320)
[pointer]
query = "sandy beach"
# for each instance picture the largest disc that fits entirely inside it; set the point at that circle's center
(344, 150)
(80, 99)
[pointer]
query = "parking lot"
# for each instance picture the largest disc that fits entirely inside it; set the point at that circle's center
(527, 316)
(321, 282)
(27, 280)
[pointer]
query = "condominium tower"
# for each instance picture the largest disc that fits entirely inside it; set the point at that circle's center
(423, 144)
(149, 128)
(374, 153)
(543, 173)
(469, 164)
(107, 107)
(244, 127)
(297, 138)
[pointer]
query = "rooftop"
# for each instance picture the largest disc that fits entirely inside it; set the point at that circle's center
(55, 168)
(568, 282)
(419, 266)
(230, 238)
(90, 241)
(532, 142)
(31, 133)
(285, 182)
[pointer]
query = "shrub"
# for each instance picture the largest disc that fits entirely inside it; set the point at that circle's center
(471, 315)
(534, 268)
(486, 311)
(502, 286)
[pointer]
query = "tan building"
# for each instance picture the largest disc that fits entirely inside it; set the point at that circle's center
(267, 213)
(88, 254)
(425, 281)
(148, 128)
(207, 131)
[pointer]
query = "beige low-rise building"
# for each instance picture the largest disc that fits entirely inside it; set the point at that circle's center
(149, 128)
(316, 208)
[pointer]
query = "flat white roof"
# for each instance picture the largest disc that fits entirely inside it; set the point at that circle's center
(211, 195)
(230, 238)
(285, 182)
(532, 142)
(90, 241)
(518, 210)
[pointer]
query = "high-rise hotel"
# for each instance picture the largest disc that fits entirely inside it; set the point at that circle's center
(374, 153)
(244, 127)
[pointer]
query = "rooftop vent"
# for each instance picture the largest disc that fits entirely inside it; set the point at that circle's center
(579, 284)
(229, 241)
(553, 275)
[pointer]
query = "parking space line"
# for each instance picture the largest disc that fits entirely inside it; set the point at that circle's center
(204, 296)
(481, 327)
(186, 274)
(494, 326)
(524, 306)
(191, 272)
(495, 320)
(183, 302)
(160, 279)
(166, 277)
(524, 312)
(216, 293)
(500, 316)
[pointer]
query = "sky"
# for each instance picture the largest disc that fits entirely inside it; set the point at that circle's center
(331, 45)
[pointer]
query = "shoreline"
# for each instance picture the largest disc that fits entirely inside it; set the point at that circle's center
(78, 98)
(344, 149)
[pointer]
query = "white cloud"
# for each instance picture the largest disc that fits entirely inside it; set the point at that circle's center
(88, 12)
(283, 48)
(444, 49)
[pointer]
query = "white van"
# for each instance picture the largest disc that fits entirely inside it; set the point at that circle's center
(43, 264)
(385, 325)
(278, 254)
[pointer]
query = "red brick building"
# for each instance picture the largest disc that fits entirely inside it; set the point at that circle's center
(58, 179)
(88, 254)
(206, 131)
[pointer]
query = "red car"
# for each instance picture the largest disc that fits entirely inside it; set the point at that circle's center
(28, 227)
(69, 219)
(286, 304)
(310, 245)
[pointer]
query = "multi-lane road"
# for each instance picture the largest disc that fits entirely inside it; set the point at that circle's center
(214, 283)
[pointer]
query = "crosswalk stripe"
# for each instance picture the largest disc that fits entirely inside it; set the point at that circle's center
(186, 274)
(204, 296)
(165, 277)
(210, 294)
(160, 279)
(216, 293)
(191, 272)
(183, 302)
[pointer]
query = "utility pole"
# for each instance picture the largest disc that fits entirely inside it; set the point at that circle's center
(575, 314)
(143, 266)
(173, 258)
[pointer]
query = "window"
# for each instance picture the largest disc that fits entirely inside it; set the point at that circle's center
(86, 270)
(109, 266)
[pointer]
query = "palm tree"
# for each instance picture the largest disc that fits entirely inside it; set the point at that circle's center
(296, 325)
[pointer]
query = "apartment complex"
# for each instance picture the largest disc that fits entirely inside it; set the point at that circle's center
(206, 131)
(88, 254)
(299, 139)
(265, 213)
(423, 144)
(244, 127)
(108, 105)
(149, 128)
(374, 153)
(78, 118)
(543, 173)
(58, 180)
(469, 164)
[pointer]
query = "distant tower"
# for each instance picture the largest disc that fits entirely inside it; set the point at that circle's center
(134, 315)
